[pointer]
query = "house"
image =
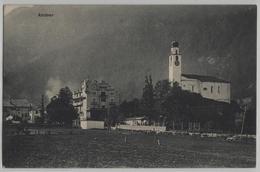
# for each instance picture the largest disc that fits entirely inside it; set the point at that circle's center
(140, 123)
(17, 108)
(207, 86)
(9, 110)
(93, 101)
(136, 121)
(34, 113)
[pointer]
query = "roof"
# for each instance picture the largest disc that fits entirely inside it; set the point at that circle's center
(20, 102)
(205, 78)
(136, 118)
(6, 103)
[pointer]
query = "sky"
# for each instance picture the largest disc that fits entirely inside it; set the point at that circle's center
(122, 44)
(9, 8)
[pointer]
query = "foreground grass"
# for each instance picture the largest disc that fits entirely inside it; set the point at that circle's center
(101, 149)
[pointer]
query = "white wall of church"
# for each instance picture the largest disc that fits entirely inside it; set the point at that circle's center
(216, 90)
(212, 90)
(192, 85)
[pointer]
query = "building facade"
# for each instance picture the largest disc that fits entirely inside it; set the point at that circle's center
(94, 96)
(34, 114)
(136, 121)
(207, 86)
(16, 109)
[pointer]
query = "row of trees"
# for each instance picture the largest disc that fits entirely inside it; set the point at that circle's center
(162, 104)
(166, 104)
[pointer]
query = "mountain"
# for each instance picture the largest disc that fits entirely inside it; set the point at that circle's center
(122, 44)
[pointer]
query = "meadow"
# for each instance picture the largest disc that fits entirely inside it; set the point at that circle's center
(100, 148)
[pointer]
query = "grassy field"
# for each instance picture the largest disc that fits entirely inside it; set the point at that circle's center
(98, 148)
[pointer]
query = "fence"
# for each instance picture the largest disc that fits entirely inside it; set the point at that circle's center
(92, 124)
(142, 128)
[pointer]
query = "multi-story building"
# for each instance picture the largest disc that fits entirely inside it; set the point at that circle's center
(207, 86)
(93, 95)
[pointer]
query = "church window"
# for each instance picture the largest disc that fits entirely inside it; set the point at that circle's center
(211, 89)
(176, 51)
(177, 58)
(218, 89)
(192, 88)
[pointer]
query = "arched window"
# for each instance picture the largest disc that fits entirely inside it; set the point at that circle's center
(177, 58)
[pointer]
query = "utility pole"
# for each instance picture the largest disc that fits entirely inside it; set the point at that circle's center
(108, 123)
(244, 115)
(42, 107)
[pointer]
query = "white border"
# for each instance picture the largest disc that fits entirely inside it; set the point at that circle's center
(136, 2)
(132, 2)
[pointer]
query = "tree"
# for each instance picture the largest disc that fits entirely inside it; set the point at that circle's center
(65, 95)
(130, 108)
(60, 109)
(162, 89)
(174, 106)
(148, 99)
(250, 117)
(115, 117)
(183, 106)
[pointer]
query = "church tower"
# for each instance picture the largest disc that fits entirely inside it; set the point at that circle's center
(175, 64)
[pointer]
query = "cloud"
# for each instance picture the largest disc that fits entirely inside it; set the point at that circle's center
(54, 85)
(211, 60)
(119, 44)
(201, 59)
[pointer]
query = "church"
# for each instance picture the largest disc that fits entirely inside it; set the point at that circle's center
(207, 86)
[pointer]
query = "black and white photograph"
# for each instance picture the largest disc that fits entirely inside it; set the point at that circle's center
(129, 86)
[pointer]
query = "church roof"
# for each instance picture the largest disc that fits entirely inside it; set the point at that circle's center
(205, 78)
